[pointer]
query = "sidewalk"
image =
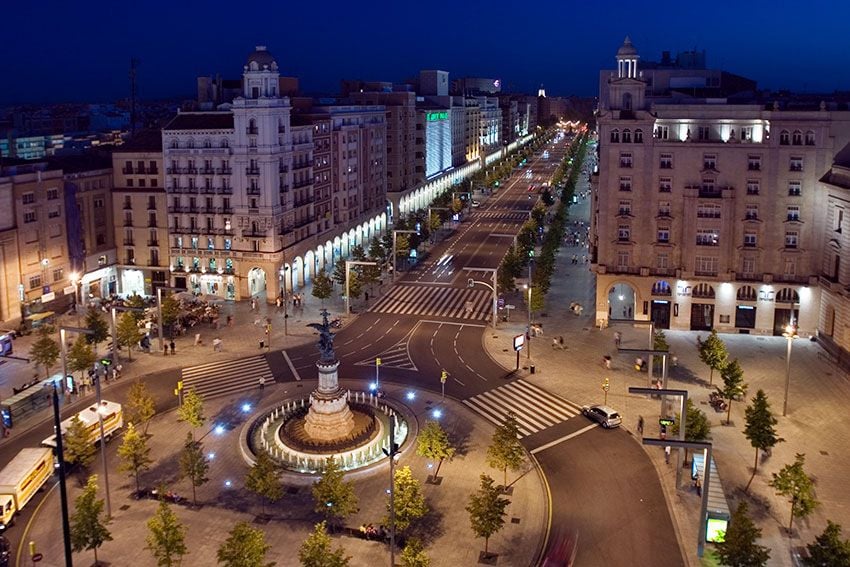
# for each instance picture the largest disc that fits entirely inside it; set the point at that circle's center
(820, 394)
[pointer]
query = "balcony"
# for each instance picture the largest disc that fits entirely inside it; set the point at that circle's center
(302, 184)
(259, 233)
(129, 242)
(153, 262)
(252, 191)
(151, 205)
(152, 224)
(190, 170)
(172, 170)
(128, 222)
(303, 165)
(128, 206)
(224, 171)
(153, 171)
(177, 209)
(252, 171)
(284, 188)
(282, 169)
(303, 222)
(185, 190)
(129, 261)
(252, 131)
(753, 167)
(793, 218)
(207, 190)
(153, 242)
(224, 190)
(127, 171)
(207, 170)
(795, 167)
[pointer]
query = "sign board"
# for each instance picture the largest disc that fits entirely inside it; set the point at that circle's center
(666, 421)
(501, 303)
(519, 341)
(509, 306)
(50, 296)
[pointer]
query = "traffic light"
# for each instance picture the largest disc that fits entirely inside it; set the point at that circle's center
(531, 253)
(444, 376)
(377, 362)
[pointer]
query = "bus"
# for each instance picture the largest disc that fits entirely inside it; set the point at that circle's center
(113, 420)
(21, 479)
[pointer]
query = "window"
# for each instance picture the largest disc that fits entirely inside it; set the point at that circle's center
(627, 136)
(35, 282)
(708, 211)
(54, 213)
(664, 208)
(753, 186)
(793, 213)
(665, 185)
(625, 208)
(709, 161)
(130, 182)
(29, 216)
(662, 132)
(666, 161)
(626, 159)
(795, 164)
(662, 261)
(142, 183)
(615, 136)
(750, 240)
(228, 244)
(623, 259)
(810, 138)
(708, 237)
(791, 239)
(784, 138)
(703, 133)
(638, 136)
(624, 233)
(58, 274)
(754, 163)
(837, 219)
(98, 203)
(795, 188)
(790, 269)
(748, 265)
(210, 244)
(194, 243)
(752, 212)
(797, 138)
(706, 266)
(625, 184)
(52, 194)
(28, 198)
(746, 133)
(663, 235)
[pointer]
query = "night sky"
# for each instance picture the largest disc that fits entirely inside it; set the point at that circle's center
(55, 51)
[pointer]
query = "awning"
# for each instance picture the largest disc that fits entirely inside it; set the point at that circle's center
(40, 316)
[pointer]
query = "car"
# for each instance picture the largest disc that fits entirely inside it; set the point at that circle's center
(605, 416)
(11, 332)
(475, 203)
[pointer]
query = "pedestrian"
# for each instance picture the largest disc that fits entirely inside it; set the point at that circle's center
(198, 339)
(561, 341)
(630, 312)
(277, 303)
(554, 343)
(217, 344)
(667, 454)
(640, 424)
(617, 338)
(165, 349)
(253, 304)
(230, 320)
(262, 343)
(262, 382)
(624, 312)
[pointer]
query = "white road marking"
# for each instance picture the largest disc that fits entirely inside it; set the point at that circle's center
(564, 438)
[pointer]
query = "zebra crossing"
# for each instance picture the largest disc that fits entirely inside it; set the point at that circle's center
(226, 376)
(535, 408)
(518, 216)
(458, 303)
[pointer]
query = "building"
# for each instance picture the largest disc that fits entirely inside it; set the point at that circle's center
(434, 127)
(491, 123)
(433, 83)
(476, 86)
(140, 213)
(705, 210)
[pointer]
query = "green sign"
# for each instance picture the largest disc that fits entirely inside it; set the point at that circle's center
(666, 421)
(433, 116)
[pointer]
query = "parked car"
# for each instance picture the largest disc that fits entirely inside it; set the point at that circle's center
(475, 204)
(11, 332)
(605, 416)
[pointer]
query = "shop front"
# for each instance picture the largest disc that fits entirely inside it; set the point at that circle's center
(99, 284)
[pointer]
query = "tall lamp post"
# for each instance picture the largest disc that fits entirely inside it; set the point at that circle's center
(392, 453)
(528, 300)
(790, 334)
(348, 264)
(115, 328)
(63, 492)
(494, 287)
(284, 271)
(100, 411)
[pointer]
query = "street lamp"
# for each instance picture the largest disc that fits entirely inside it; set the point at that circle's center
(528, 301)
(283, 273)
(392, 453)
(790, 334)
(101, 409)
(63, 492)
(377, 376)
(494, 288)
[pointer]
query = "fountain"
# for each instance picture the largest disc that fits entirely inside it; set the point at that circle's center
(353, 427)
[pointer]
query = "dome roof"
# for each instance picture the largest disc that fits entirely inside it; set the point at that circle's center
(627, 49)
(262, 57)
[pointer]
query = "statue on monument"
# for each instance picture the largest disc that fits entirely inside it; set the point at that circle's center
(326, 338)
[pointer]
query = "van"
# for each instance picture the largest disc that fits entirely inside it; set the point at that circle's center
(21, 479)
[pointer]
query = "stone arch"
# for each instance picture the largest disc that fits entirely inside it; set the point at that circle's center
(309, 266)
(340, 247)
(787, 295)
(256, 281)
(298, 272)
(329, 255)
(703, 291)
(622, 301)
(352, 241)
(747, 293)
(662, 287)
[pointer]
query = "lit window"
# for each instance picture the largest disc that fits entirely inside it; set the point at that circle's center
(791, 239)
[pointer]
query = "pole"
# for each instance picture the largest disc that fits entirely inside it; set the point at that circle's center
(159, 317)
(392, 279)
(495, 296)
(285, 301)
(115, 337)
(347, 273)
(703, 508)
(63, 492)
(682, 426)
(103, 448)
(787, 374)
(528, 346)
(377, 374)
(391, 455)
(64, 351)
(517, 360)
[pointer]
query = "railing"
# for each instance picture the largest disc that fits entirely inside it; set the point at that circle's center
(254, 233)
(177, 209)
(129, 242)
(252, 191)
(127, 171)
(128, 206)
(128, 222)
(207, 170)
(151, 224)
(224, 170)
(129, 261)
(153, 242)
(252, 171)
(151, 205)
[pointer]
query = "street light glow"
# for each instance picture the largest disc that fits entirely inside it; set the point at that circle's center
(219, 429)
(437, 413)
(246, 407)
(411, 395)
(373, 386)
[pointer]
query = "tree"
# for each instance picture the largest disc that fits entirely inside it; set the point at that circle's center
(192, 410)
(355, 284)
(457, 205)
(316, 550)
(402, 247)
(128, 332)
(88, 529)
(136, 301)
(194, 465)
(170, 312)
(733, 384)
(413, 554)
(357, 253)
(739, 547)
(77, 445)
(332, 496)
(370, 275)
(140, 406)
(505, 451)
(760, 429)
(263, 480)
(245, 547)
(538, 300)
(45, 351)
(828, 548)
(409, 500)
(377, 250)
(433, 443)
(96, 323)
(697, 426)
(487, 510)
(134, 453)
(323, 286)
(81, 357)
(338, 275)
(166, 538)
(793, 483)
(435, 222)
(713, 353)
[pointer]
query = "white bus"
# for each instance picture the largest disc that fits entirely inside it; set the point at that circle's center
(21, 479)
(113, 420)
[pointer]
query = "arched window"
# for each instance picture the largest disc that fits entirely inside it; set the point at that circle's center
(661, 287)
(175, 144)
(252, 126)
(703, 291)
(224, 143)
(787, 295)
(627, 101)
(810, 138)
(190, 143)
(784, 138)
(615, 136)
(207, 143)
(797, 138)
(747, 293)
(627, 136)
(638, 136)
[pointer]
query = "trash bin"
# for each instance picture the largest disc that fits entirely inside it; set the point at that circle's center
(533, 370)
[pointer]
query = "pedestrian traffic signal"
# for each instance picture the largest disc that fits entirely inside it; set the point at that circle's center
(531, 253)
(377, 362)
(443, 376)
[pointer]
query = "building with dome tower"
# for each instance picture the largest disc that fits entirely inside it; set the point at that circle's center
(705, 209)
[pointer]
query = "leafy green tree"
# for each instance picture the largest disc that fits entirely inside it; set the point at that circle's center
(134, 453)
(316, 550)
(760, 429)
(409, 500)
(96, 323)
(128, 332)
(377, 250)
(45, 351)
(487, 510)
(141, 406)
(457, 205)
(170, 313)
(194, 465)
(339, 272)
(245, 547)
(713, 353)
(323, 286)
(733, 384)
(357, 253)
(77, 445)
(264, 480)
(739, 547)
(387, 245)
(166, 537)
(538, 214)
(413, 554)
(355, 284)
(402, 246)
(88, 529)
(697, 426)
(793, 483)
(433, 443)
(192, 410)
(435, 222)
(828, 548)
(505, 451)
(136, 301)
(81, 357)
(369, 275)
(538, 300)
(334, 498)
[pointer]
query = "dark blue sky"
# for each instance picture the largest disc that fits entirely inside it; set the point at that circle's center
(55, 50)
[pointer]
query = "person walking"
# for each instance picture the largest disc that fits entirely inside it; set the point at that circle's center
(253, 304)
(617, 338)
(640, 424)
(667, 454)
(165, 349)
(262, 382)
(172, 347)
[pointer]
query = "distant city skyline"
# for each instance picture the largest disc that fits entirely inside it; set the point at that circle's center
(59, 52)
